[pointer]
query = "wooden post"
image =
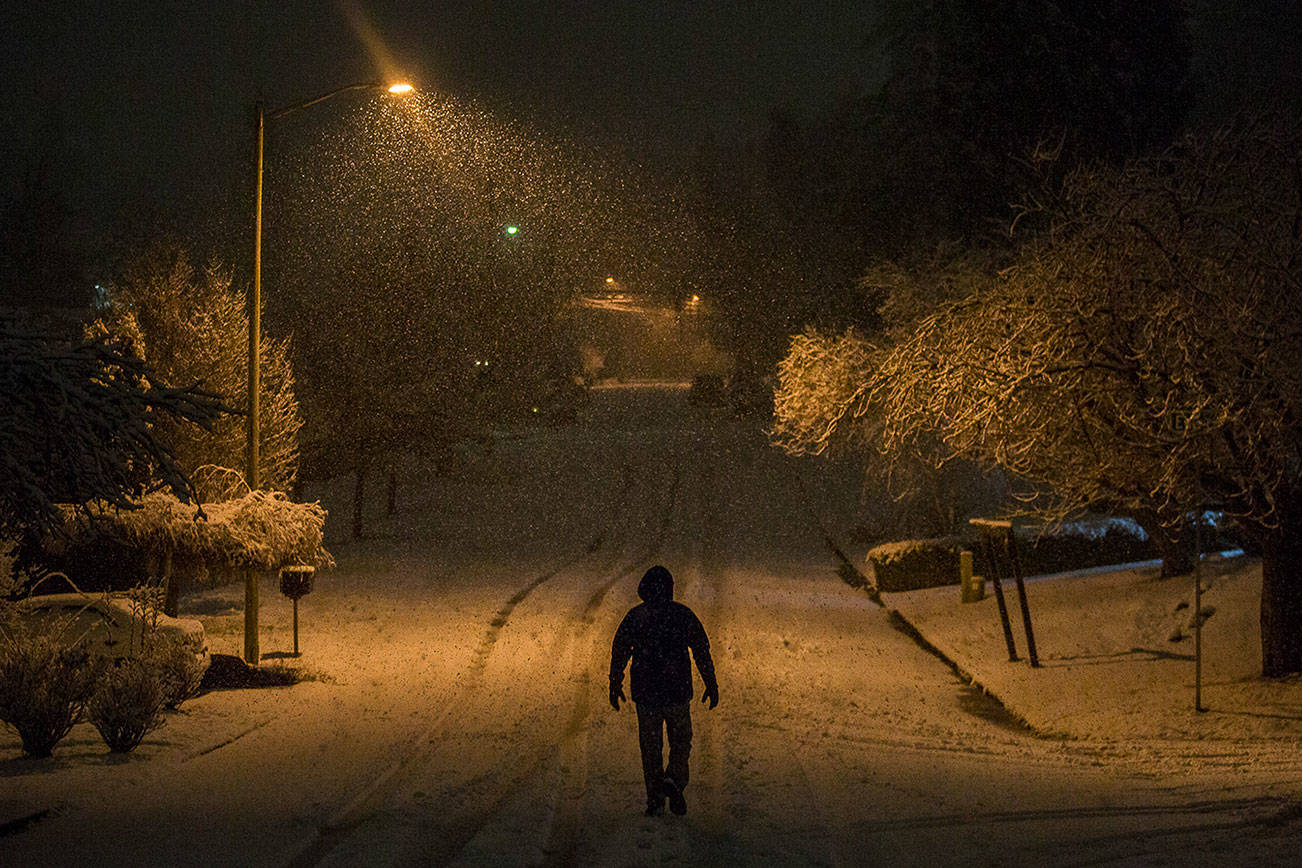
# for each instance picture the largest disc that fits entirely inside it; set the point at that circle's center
(986, 527)
(999, 597)
(296, 626)
(971, 588)
(251, 653)
(1021, 595)
(1198, 610)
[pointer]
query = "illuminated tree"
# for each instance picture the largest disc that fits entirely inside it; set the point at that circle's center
(191, 326)
(823, 403)
(1145, 353)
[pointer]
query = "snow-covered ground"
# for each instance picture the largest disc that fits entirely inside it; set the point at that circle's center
(455, 709)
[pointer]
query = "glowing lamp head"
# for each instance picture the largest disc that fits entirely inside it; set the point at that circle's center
(512, 230)
(400, 88)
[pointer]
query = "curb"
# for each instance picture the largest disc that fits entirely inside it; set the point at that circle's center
(904, 625)
(855, 578)
(852, 575)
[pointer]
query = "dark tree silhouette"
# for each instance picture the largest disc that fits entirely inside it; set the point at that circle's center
(76, 425)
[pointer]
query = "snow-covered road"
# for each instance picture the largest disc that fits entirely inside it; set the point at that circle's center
(460, 716)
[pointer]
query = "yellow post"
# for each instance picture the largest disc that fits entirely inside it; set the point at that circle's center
(972, 588)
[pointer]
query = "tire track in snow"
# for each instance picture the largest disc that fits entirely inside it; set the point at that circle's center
(574, 751)
(718, 741)
(570, 751)
(480, 659)
(454, 836)
(336, 826)
(712, 731)
(724, 804)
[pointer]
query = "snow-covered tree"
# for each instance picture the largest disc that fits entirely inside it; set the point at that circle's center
(823, 400)
(1144, 353)
(191, 326)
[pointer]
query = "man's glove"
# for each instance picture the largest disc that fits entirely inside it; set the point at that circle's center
(711, 695)
(616, 694)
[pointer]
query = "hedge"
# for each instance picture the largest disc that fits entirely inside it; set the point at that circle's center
(926, 563)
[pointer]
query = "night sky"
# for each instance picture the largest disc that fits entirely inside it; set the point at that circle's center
(129, 101)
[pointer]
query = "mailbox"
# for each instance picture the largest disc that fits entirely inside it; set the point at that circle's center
(296, 581)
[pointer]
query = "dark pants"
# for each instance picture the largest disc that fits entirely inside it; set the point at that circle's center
(676, 720)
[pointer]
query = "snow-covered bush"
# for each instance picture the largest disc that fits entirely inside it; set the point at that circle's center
(913, 564)
(44, 686)
(261, 530)
(179, 671)
(925, 563)
(127, 703)
(1080, 545)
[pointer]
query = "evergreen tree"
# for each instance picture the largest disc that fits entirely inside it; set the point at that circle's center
(191, 327)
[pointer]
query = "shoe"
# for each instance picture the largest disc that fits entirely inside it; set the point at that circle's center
(656, 808)
(677, 803)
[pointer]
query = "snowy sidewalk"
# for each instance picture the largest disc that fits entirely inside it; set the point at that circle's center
(1110, 672)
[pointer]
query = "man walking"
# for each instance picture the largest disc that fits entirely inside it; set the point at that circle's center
(657, 634)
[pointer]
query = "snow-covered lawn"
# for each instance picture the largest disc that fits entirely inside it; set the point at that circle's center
(1110, 672)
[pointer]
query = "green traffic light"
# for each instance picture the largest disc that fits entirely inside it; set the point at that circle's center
(511, 230)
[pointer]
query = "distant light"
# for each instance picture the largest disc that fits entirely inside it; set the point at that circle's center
(400, 88)
(511, 230)
(696, 299)
(610, 280)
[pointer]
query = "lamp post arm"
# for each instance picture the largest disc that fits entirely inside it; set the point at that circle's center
(289, 109)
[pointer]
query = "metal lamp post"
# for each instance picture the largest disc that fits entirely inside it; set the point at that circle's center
(252, 422)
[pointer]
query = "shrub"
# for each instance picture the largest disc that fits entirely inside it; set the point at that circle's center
(914, 564)
(179, 671)
(44, 686)
(1080, 545)
(127, 704)
(927, 563)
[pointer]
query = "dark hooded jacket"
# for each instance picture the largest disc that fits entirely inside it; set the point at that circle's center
(657, 635)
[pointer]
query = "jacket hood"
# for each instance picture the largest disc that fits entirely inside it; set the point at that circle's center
(657, 585)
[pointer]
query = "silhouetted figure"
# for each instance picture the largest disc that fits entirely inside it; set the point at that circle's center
(657, 635)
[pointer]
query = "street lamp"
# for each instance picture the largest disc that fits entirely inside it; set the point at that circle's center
(252, 425)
